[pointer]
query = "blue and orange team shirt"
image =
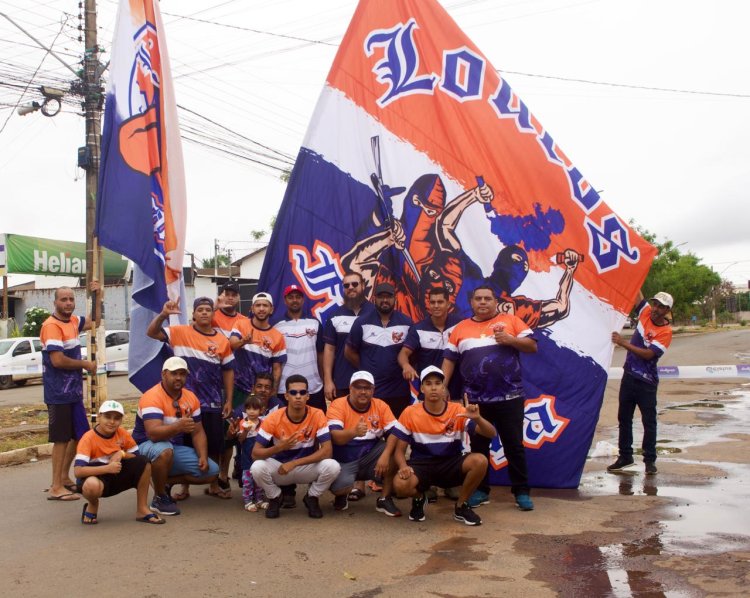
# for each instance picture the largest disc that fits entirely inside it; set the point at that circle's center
(157, 404)
(207, 355)
(312, 430)
(491, 372)
(95, 449)
(428, 344)
(335, 332)
(378, 347)
(265, 348)
(648, 335)
(432, 435)
(61, 386)
(342, 415)
(225, 323)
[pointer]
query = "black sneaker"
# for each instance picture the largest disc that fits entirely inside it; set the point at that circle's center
(650, 468)
(274, 504)
(620, 464)
(313, 506)
(431, 495)
(417, 509)
(465, 513)
(386, 505)
(341, 503)
(288, 499)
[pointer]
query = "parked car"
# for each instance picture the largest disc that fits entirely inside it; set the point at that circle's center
(24, 356)
(116, 342)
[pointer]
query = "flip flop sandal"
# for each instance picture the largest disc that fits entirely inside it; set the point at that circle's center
(151, 519)
(86, 515)
(177, 497)
(72, 487)
(219, 494)
(356, 495)
(64, 497)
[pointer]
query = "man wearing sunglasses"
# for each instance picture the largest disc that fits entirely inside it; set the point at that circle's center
(640, 380)
(337, 371)
(293, 446)
(167, 414)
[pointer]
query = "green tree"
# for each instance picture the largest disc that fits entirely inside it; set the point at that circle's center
(208, 262)
(691, 283)
(34, 318)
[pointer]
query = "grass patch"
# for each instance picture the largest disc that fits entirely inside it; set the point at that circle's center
(22, 440)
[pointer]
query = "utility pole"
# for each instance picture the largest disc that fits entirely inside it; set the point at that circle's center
(92, 105)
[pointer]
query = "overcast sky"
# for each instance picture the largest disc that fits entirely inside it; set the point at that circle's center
(677, 163)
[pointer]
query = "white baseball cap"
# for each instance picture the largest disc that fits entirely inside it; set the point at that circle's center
(664, 299)
(262, 297)
(431, 369)
(108, 406)
(362, 375)
(175, 363)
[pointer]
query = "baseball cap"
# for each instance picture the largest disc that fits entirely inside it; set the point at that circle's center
(291, 288)
(262, 297)
(431, 369)
(203, 301)
(362, 375)
(230, 285)
(664, 299)
(175, 363)
(108, 406)
(385, 287)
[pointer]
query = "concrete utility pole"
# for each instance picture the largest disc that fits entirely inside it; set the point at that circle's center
(92, 104)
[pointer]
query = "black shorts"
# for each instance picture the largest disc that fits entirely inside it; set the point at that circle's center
(129, 476)
(441, 472)
(67, 422)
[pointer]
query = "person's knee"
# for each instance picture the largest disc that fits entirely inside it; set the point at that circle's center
(92, 487)
(475, 462)
(258, 468)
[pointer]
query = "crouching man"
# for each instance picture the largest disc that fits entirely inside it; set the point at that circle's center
(293, 446)
(167, 413)
(107, 463)
(435, 431)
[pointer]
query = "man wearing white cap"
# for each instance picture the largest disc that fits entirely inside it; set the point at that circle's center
(107, 463)
(359, 424)
(652, 336)
(166, 414)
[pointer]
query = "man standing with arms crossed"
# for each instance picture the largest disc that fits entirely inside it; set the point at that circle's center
(63, 388)
(486, 347)
(640, 381)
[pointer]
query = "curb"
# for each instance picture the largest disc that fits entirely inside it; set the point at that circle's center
(25, 455)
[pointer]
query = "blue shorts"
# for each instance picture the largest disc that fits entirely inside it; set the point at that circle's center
(184, 462)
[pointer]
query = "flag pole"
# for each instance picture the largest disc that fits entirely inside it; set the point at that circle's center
(93, 101)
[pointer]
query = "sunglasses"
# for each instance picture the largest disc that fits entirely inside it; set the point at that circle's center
(177, 409)
(294, 393)
(353, 285)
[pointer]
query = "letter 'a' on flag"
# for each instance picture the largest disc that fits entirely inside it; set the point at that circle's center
(141, 201)
(422, 167)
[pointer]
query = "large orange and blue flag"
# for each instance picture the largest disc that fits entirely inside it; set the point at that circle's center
(141, 201)
(423, 168)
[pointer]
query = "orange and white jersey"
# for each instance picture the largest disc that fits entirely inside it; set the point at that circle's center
(96, 449)
(343, 415)
(432, 435)
(311, 431)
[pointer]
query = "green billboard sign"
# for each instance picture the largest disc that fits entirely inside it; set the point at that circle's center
(33, 255)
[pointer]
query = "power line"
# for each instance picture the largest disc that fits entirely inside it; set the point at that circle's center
(627, 85)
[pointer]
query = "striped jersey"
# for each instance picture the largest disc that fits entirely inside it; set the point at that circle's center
(95, 449)
(303, 342)
(207, 355)
(335, 332)
(265, 348)
(343, 415)
(312, 430)
(225, 323)
(61, 386)
(491, 372)
(431, 435)
(157, 404)
(647, 335)
(378, 347)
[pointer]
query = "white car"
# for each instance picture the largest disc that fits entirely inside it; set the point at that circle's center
(116, 342)
(20, 360)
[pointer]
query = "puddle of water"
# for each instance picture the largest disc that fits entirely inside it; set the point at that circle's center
(454, 554)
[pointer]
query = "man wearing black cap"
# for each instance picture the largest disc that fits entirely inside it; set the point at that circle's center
(226, 315)
(211, 371)
(374, 344)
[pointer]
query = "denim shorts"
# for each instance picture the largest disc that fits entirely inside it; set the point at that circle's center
(184, 462)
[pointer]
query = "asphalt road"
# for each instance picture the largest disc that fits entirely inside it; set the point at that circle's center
(118, 387)
(215, 548)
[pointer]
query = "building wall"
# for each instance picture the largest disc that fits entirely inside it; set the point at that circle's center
(251, 266)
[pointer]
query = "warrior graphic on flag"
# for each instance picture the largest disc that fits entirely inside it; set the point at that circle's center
(422, 168)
